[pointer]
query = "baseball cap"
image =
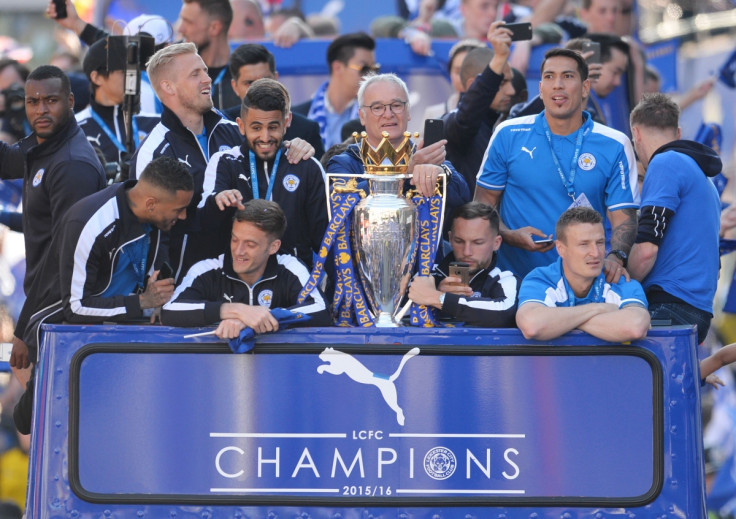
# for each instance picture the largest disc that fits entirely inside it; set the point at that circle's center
(154, 25)
(96, 58)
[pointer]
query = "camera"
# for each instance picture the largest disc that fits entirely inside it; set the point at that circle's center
(14, 113)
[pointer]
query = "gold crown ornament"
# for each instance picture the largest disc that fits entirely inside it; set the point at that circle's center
(385, 159)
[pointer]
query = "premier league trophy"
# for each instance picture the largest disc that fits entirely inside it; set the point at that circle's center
(389, 233)
(385, 229)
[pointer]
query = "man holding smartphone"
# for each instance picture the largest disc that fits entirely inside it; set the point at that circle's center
(384, 108)
(572, 293)
(489, 298)
(538, 166)
(486, 76)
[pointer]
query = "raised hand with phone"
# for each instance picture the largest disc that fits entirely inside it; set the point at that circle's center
(488, 92)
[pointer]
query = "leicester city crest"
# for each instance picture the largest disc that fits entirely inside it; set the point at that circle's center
(38, 177)
(440, 463)
(265, 297)
(291, 182)
(586, 161)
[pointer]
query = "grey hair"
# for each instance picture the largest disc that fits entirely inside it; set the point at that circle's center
(382, 78)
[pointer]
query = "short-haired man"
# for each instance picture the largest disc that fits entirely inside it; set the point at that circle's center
(607, 76)
(238, 288)
(384, 107)
(349, 57)
(489, 299)
(256, 169)
(251, 62)
(537, 166)
(676, 253)
(102, 121)
(58, 167)
(573, 293)
(191, 131)
(102, 263)
(486, 77)
(601, 16)
(205, 23)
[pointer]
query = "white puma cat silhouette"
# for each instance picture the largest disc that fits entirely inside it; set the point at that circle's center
(523, 148)
(339, 362)
(246, 179)
(185, 160)
(95, 139)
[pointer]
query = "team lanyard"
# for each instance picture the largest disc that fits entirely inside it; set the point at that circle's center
(568, 182)
(105, 128)
(597, 286)
(254, 174)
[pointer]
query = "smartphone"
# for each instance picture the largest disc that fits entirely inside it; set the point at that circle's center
(519, 31)
(165, 272)
(60, 9)
(596, 48)
(460, 269)
(539, 239)
(434, 130)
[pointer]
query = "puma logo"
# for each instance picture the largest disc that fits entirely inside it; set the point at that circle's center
(185, 160)
(339, 362)
(523, 148)
(245, 179)
(95, 139)
(229, 298)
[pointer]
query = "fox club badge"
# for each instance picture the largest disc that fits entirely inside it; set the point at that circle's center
(586, 161)
(291, 182)
(38, 177)
(265, 298)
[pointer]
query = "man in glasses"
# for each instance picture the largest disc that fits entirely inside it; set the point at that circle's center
(384, 107)
(349, 58)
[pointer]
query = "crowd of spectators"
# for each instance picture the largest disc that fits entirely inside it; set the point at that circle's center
(216, 206)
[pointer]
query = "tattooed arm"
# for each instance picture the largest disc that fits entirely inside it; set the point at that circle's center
(623, 234)
(623, 229)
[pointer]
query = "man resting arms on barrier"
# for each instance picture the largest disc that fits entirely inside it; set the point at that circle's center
(573, 292)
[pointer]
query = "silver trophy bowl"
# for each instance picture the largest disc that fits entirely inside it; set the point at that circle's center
(385, 241)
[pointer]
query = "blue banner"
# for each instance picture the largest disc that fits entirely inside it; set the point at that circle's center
(384, 426)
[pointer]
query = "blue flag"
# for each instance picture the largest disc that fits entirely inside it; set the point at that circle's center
(246, 340)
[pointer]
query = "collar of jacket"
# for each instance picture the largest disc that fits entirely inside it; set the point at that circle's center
(106, 113)
(245, 150)
(52, 145)
(173, 123)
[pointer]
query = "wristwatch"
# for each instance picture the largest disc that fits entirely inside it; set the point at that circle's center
(442, 300)
(620, 255)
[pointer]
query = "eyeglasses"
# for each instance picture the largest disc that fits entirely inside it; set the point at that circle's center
(378, 109)
(365, 69)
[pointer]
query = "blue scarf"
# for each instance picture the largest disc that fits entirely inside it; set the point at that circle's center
(318, 111)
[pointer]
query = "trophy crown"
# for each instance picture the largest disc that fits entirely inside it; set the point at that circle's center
(385, 159)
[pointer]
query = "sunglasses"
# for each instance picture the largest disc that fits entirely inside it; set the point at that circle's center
(365, 69)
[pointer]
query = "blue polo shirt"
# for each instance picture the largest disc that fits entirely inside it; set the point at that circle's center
(548, 286)
(519, 162)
